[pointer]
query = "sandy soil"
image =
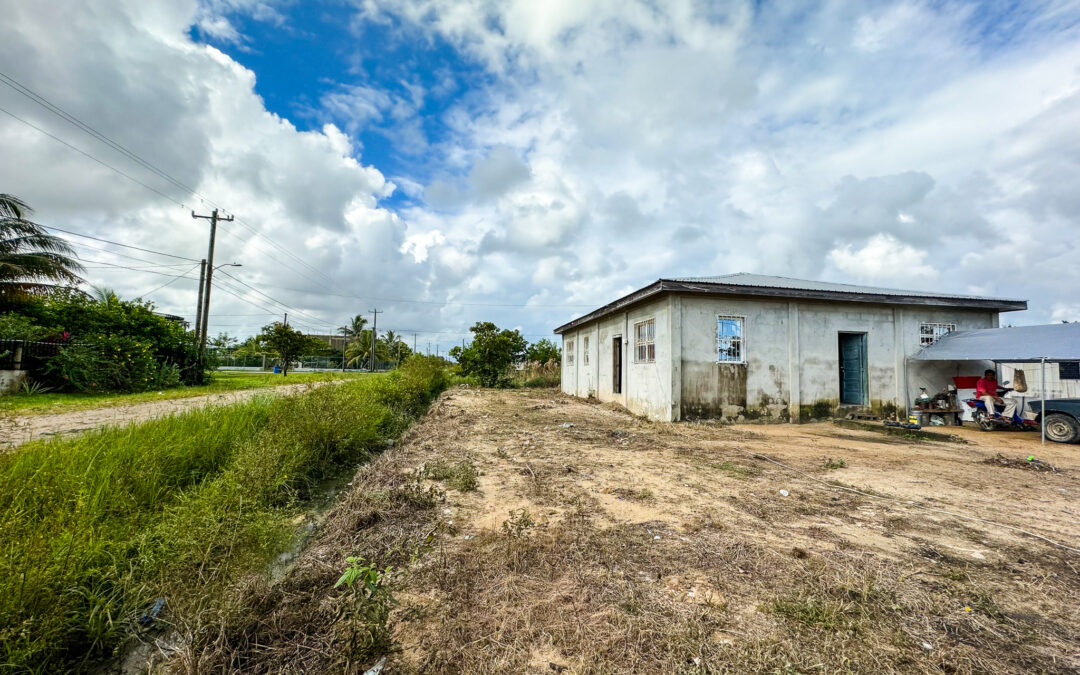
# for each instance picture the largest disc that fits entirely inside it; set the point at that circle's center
(596, 541)
(18, 429)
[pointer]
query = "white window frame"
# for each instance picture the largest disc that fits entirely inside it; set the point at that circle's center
(568, 349)
(585, 350)
(935, 332)
(740, 340)
(649, 341)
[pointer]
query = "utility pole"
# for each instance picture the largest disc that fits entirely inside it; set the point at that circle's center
(414, 343)
(198, 305)
(213, 218)
(286, 318)
(374, 333)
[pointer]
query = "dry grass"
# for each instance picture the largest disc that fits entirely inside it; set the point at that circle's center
(620, 545)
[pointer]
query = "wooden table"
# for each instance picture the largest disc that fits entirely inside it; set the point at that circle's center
(944, 412)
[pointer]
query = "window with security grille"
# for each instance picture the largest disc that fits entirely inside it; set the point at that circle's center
(930, 332)
(729, 339)
(645, 341)
(570, 352)
(1069, 370)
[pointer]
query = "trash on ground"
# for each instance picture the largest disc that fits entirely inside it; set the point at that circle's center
(1031, 463)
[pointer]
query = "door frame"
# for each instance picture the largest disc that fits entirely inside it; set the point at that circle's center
(865, 367)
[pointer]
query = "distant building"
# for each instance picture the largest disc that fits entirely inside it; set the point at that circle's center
(748, 345)
(173, 317)
(336, 342)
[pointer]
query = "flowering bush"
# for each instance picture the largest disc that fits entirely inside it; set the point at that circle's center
(113, 364)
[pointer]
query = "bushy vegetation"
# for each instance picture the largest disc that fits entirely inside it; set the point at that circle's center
(503, 358)
(95, 528)
(112, 345)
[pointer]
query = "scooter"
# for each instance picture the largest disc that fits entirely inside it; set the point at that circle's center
(988, 422)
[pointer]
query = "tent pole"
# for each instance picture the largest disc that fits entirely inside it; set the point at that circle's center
(1042, 386)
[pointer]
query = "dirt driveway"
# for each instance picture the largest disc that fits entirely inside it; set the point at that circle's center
(18, 429)
(587, 540)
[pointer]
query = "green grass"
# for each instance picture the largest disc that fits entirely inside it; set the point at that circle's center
(222, 382)
(94, 528)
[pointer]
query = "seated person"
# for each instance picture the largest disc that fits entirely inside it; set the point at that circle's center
(986, 391)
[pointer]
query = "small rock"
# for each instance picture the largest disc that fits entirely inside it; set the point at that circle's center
(566, 425)
(927, 646)
(784, 493)
(656, 537)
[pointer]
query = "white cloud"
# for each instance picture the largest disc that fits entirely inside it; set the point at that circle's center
(884, 258)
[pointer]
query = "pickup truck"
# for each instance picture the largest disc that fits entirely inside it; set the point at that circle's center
(1062, 421)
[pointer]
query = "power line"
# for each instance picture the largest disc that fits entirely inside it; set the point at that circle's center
(91, 157)
(52, 107)
(192, 269)
(428, 302)
(116, 243)
(87, 128)
(288, 307)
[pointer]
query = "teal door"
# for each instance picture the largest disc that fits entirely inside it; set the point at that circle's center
(853, 369)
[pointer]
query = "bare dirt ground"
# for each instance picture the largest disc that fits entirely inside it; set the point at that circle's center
(596, 542)
(17, 429)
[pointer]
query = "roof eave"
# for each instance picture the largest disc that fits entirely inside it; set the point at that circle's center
(672, 286)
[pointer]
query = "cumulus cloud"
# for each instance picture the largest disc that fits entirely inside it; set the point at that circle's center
(883, 258)
(607, 144)
(192, 110)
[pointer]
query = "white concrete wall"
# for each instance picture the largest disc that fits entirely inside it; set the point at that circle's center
(646, 387)
(791, 353)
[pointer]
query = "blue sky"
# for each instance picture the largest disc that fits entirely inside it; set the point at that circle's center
(450, 161)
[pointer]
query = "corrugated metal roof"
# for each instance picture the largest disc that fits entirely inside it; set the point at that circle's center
(1053, 342)
(770, 286)
(766, 281)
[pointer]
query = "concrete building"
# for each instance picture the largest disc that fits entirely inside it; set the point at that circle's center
(752, 346)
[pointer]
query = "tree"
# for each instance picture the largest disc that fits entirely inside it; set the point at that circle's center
(543, 353)
(354, 328)
(396, 348)
(287, 343)
(223, 342)
(491, 353)
(32, 262)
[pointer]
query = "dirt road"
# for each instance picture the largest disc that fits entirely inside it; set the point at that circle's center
(18, 429)
(591, 541)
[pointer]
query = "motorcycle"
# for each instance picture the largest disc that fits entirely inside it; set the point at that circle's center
(993, 422)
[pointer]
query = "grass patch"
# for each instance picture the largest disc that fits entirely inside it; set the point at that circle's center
(737, 470)
(97, 526)
(830, 464)
(461, 476)
(222, 382)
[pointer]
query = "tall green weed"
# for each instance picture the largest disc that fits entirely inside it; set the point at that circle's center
(94, 528)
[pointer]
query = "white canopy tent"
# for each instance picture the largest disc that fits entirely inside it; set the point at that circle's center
(1052, 343)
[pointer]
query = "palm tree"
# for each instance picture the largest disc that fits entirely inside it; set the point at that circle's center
(106, 296)
(393, 345)
(354, 328)
(357, 352)
(32, 262)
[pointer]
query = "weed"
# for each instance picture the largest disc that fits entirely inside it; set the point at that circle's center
(364, 611)
(181, 507)
(737, 470)
(518, 524)
(461, 476)
(831, 463)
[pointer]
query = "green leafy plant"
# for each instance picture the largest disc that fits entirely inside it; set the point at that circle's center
(365, 610)
(32, 388)
(491, 354)
(831, 463)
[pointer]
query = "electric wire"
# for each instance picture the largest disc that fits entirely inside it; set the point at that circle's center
(116, 243)
(171, 281)
(91, 157)
(87, 128)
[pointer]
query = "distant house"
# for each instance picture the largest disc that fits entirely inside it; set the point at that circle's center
(748, 345)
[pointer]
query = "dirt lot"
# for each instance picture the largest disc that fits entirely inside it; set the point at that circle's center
(17, 429)
(591, 541)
